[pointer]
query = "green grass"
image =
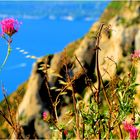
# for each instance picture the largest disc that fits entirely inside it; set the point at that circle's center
(117, 5)
(113, 9)
(72, 47)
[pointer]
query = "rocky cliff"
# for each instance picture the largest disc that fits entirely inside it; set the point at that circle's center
(115, 48)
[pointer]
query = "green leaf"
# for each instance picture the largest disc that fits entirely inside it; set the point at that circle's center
(62, 82)
(63, 93)
(53, 88)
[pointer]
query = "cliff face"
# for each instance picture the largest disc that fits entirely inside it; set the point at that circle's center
(115, 48)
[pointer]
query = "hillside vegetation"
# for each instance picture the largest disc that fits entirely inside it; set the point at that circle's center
(88, 91)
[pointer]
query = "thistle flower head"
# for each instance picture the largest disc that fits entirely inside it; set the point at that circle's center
(46, 116)
(135, 55)
(133, 131)
(9, 26)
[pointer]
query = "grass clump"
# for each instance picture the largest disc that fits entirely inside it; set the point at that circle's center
(112, 10)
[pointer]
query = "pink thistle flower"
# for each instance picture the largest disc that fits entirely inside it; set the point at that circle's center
(136, 54)
(9, 26)
(44, 116)
(133, 131)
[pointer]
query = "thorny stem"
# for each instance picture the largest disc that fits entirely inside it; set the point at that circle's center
(113, 62)
(99, 77)
(109, 123)
(104, 92)
(55, 111)
(4, 116)
(60, 130)
(88, 80)
(62, 90)
(97, 60)
(98, 70)
(83, 130)
(9, 110)
(74, 103)
(121, 135)
(17, 131)
(50, 97)
(7, 55)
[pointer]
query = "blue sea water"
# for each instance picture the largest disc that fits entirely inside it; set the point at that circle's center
(44, 31)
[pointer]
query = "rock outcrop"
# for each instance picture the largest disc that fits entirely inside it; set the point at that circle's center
(116, 49)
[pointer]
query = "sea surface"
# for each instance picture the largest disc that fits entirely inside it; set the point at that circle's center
(47, 27)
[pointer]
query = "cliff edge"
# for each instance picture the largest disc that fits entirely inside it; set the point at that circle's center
(116, 46)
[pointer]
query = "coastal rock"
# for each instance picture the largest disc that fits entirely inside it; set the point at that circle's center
(137, 40)
(30, 110)
(86, 55)
(114, 50)
(55, 68)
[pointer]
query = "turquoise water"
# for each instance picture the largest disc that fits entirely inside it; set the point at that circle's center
(38, 37)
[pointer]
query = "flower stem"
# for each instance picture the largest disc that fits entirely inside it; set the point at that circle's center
(7, 55)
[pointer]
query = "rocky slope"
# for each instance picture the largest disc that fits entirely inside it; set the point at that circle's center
(116, 47)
